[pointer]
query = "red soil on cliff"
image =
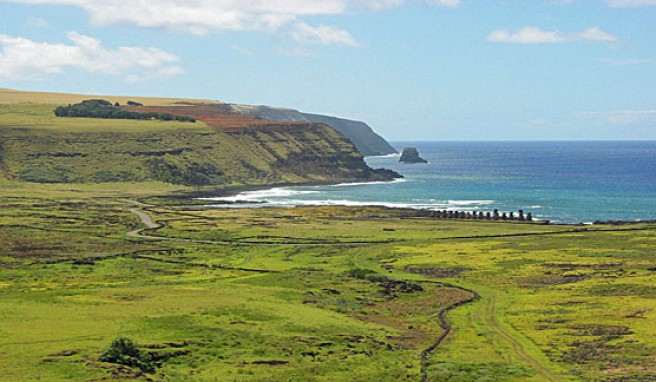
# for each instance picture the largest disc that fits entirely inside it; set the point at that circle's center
(214, 115)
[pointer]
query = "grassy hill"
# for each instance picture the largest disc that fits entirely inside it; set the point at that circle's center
(222, 148)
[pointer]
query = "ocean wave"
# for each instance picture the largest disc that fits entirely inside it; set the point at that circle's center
(344, 202)
(469, 202)
(398, 180)
(282, 201)
(261, 195)
(395, 155)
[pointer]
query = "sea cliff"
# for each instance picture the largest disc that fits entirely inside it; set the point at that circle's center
(362, 135)
(222, 148)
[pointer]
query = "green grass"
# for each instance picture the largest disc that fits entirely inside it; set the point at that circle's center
(557, 302)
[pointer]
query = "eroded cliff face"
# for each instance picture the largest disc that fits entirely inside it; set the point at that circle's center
(362, 135)
(226, 149)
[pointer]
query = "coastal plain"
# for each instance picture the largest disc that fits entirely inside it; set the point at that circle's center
(102, 237)
(314, 293)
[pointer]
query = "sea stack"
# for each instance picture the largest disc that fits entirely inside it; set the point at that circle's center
(411, 155)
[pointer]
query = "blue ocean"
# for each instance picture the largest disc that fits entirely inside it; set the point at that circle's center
(564, 182)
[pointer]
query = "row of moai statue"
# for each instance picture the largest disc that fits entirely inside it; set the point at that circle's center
(495, 215)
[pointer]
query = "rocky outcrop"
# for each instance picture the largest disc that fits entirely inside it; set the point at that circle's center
(411, 155)
(363, 137)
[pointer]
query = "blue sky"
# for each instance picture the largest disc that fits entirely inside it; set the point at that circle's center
(412, 69)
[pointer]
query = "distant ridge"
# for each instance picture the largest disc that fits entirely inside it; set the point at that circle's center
(362, 135)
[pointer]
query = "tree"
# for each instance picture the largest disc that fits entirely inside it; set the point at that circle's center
(124, 351)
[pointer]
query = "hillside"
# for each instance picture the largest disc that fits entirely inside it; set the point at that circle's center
(363, 137)
(222, 148)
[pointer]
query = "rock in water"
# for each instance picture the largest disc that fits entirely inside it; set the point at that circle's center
(411, 155)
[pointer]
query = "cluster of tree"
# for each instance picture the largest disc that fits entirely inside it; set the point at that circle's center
(100, 108)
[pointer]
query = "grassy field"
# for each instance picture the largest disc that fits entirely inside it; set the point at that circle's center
(40, 117)
(314, 294)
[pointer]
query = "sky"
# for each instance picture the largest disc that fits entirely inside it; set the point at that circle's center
(412, 69)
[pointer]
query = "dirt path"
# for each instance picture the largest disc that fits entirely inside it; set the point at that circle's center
(487, 314)
(145, 219)
(446, 328)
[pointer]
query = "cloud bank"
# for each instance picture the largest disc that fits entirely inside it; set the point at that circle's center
(202, 17)
(533, 35)
(630, 3)
(24, 59)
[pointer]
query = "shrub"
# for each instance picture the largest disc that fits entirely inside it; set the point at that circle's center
(110, 176)
(44, 175)
(124, 351)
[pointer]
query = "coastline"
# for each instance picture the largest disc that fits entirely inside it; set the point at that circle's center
(554, 182)
(229, 198)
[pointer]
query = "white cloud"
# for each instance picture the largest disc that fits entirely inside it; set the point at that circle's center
(21, 58)
(323, 34)
(625, 61)
(36, 22)
(595, 34)
(444, 3)
(630, 3)
(206, 16)
(533, 35)
(376, 5)
(623, 117)
(528, 35)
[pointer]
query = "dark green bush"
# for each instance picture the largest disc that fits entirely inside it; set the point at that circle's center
(124, 351)
(360, 273)
(105, 176)
(44, 175)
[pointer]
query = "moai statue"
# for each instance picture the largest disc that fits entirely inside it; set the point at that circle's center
(512, 215)
(475, 215)
(529, 217)
(504, 216)
(521, 215)
(488, 216)
(450, 214)
(496, 214)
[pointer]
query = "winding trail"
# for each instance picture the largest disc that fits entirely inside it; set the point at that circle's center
(487, 314)
(446, 328)
(145, 219)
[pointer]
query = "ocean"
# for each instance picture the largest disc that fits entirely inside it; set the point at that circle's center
(563, 182)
